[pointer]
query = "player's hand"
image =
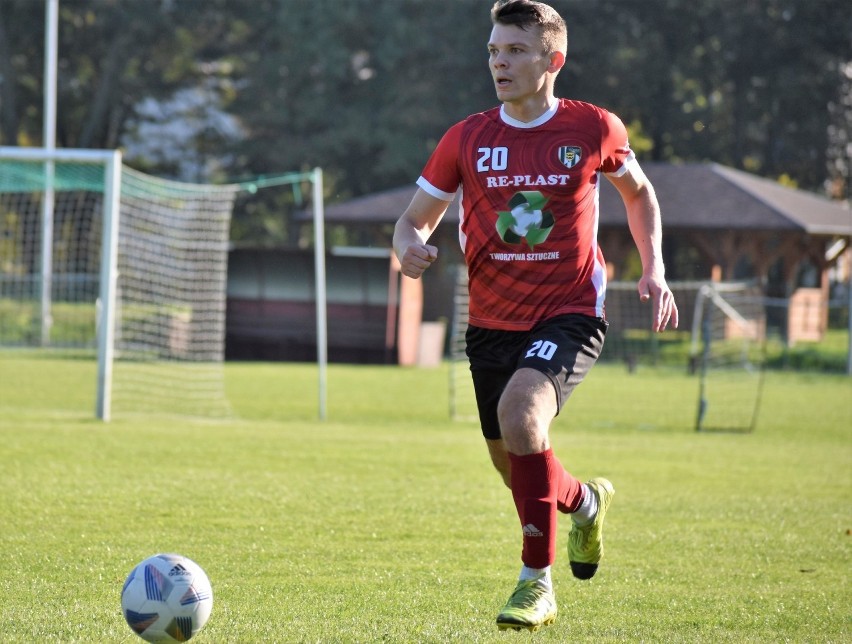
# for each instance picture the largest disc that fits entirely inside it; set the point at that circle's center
(417, 258)
(655, 289)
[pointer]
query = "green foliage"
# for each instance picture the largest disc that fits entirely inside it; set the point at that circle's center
(20, 323)
(829, 356)
(364, 89)
(704, 84)
(387, 523)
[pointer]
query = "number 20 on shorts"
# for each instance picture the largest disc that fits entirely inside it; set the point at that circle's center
(543, 349)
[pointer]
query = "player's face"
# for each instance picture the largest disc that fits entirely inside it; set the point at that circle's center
(518, 63)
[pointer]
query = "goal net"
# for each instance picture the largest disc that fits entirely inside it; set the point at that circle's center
(728, 350)
(720, 346)
(99, 259)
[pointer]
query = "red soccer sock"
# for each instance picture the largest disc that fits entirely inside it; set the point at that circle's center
(535, 483)
(569, 491)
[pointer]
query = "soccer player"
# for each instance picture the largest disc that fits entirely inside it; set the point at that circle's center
(530, 172)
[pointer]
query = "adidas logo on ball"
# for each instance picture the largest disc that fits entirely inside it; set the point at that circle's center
(177, 570)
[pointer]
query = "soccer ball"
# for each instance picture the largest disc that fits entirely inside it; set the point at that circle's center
(166, 598)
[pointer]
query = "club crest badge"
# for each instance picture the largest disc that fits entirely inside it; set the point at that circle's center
(570, 155)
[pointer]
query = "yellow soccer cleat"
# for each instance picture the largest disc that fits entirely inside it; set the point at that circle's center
(585, 543)
(531, 606)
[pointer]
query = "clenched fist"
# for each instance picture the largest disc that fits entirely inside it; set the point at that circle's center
(416, 258)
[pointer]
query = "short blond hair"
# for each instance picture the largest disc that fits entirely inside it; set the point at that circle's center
(528, 13)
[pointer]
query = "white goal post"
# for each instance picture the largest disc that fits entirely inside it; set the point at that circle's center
(111, 161)
(157, 251)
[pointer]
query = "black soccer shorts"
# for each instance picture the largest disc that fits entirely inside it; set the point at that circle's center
(563, 348)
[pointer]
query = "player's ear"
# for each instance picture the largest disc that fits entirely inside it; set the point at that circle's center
(557, 61)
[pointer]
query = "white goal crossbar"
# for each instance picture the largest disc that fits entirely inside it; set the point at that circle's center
(711, 292)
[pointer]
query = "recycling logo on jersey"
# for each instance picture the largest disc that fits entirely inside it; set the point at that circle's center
(526, 219)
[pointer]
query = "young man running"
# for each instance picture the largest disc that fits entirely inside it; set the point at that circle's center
(530, 172)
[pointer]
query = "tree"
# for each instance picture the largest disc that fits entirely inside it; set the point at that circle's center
(20, 83)
(746, 83)
(364, 88)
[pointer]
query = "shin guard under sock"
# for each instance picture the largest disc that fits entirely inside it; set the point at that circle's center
(569, 490)
(534, 488)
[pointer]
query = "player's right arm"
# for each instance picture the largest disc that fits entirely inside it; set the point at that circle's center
(413, 230)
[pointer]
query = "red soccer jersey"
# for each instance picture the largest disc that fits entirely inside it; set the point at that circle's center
(529, 209)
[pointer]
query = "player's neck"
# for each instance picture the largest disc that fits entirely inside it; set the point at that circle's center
(530, 109)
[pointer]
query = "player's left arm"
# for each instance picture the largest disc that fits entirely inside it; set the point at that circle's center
(643, 217)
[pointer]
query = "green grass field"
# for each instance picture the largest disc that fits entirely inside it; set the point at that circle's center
(386, 523)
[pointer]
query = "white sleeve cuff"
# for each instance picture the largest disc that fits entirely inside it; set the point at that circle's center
(629, 162)
(435, 192)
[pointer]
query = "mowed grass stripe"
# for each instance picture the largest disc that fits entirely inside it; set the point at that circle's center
(387, 523)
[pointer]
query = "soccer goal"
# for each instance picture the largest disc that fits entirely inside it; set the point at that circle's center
(461, 395)
(97, 258)
(728, 350)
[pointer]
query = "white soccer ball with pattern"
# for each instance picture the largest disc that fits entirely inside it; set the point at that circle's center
(167, 598)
